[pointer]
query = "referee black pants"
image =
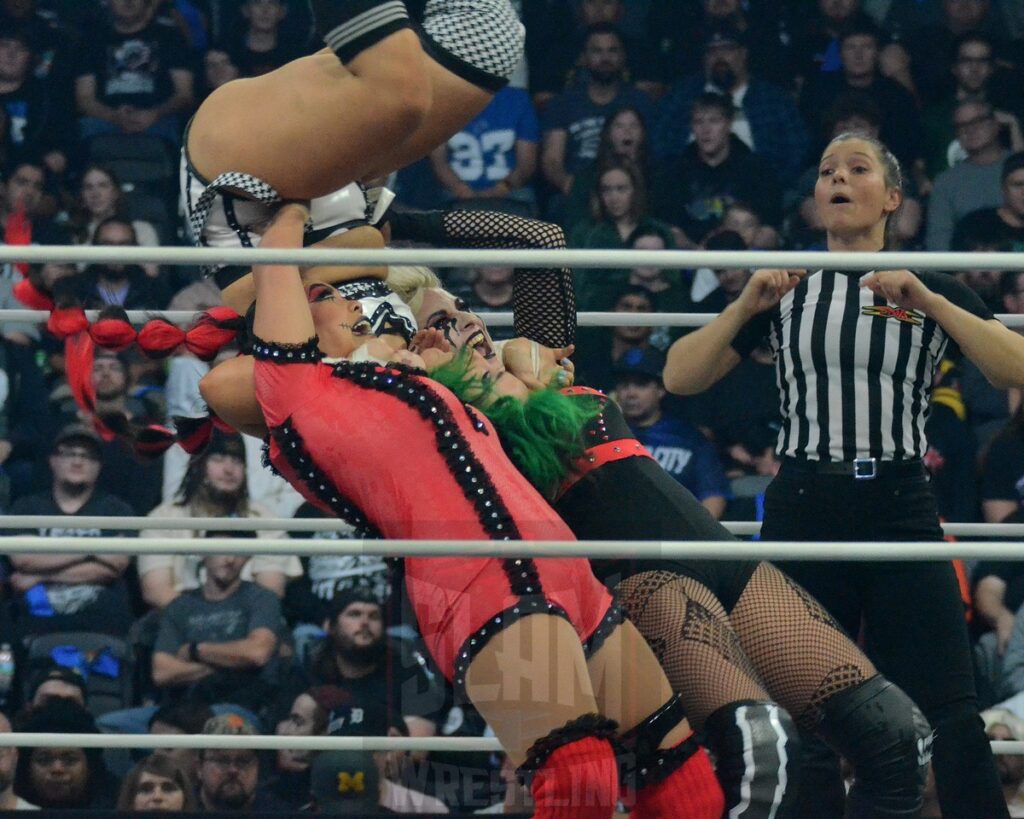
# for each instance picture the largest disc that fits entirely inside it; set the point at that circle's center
(913, 620)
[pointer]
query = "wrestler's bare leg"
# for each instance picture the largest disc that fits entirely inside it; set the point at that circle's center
(530, 680)
(314, 125)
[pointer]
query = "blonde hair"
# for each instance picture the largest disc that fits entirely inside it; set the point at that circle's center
(408, 282)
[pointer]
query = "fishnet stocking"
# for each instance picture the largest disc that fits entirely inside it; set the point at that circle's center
(801, 652)
(688, 630)
(543, 301)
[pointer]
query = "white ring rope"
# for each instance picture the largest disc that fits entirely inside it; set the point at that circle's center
(665, 259)
(496, 319)
(613, 549)
(314, 525)
(273, 742)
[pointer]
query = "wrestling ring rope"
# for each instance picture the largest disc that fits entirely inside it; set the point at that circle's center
(596, 259)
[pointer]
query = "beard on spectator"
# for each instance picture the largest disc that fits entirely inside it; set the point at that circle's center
(6, 779)
(75, 489)
(229, 501)
(230, 795)
(359, 655)
(722, 76)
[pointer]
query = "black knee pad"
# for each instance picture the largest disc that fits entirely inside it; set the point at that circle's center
(641, 761)
(478, 40)
(351, 26)
(888, 741)
(756, 747)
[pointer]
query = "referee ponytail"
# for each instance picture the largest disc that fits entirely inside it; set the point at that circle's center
(893, 176)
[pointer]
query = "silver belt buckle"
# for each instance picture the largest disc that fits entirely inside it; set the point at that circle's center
(865, 469)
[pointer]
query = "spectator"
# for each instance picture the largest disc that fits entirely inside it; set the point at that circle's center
(261, 45)
(681, 33)
(357, 657)
(679, 448)
(123, 473)
(985, 282)
(665, 286)
(306, 718)
(220, 643)
(183, 718)
(70, 778)
(1001, 724)
(623, 139)
(218, 68)
(1002, 487)
(110, 284)
(52, 41)
(952, 455)
(215, 486)
(25, 423)
(972, 184)
(816, 46)
(599, 350)
(9, 800)
(573, 120)
(495, 156)
(618, 210)
(715, 170)
(730, 282)
(487, 290)
(556, 38)
(56, 683)
(229, 780)
(859, 48)
(346, 782)
(404, 775)
(136, 77)
(974, 78)
(308, 598)
(931, 45)
(1001, 226)
(24, 212)
(157, 783)
(766, 120)
(100, 198)
(517, 798)
(35, 118)
(60, 592)
(852, 112)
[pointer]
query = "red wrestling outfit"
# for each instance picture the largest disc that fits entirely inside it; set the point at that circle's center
(420, 464)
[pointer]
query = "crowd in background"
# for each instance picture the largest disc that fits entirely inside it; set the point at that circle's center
(649, 124)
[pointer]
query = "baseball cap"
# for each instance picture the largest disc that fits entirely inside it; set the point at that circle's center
(78, 434)
(648, 363)
(229, 724)
(344, 781)
(225, 443)
(724, 35)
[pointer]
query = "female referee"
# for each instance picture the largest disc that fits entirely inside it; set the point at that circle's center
(855, 356)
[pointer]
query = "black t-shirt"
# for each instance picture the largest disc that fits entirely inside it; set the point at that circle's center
(1011, 573)
(1002, 477)
(984, 226)
(402, 685)
(693, 195)
(52, 607)
(36, 122)
(135, 69)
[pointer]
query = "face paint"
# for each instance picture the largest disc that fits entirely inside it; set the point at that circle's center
(387, 313)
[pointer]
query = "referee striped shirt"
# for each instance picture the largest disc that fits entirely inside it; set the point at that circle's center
(854, 373)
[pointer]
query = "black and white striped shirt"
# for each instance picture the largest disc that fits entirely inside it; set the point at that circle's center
(854, 373)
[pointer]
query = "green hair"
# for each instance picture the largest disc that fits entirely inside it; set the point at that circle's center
(543, 435)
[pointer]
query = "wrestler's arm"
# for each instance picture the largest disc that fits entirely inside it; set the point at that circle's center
(229, 389)
(286, 318)
(240, 294)
(543, 300)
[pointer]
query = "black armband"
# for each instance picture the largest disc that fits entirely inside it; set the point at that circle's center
(426, 226)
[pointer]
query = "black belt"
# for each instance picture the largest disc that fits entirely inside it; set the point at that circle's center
(860, 469)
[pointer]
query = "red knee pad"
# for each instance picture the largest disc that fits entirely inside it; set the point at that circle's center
(690, 791)
(579, 781)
